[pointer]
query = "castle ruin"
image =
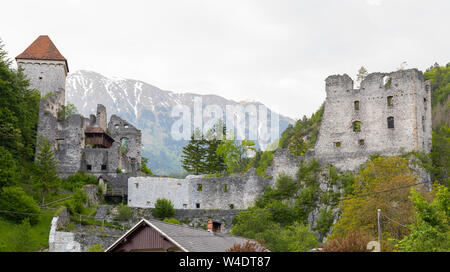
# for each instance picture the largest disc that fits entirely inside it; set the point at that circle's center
(80, 144)
(389, 114)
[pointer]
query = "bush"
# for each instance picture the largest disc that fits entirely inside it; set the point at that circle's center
(15, 199)
(78, 180)
(163, 208)
(354, 241)
(96, 248)
(172, 221)
(125, 213)
(76, 204)
(247, 247)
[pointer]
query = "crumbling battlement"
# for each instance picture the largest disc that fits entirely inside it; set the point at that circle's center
(389, 114)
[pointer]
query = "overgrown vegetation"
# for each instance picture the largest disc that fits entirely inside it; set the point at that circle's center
(163, 208)
(301, 137)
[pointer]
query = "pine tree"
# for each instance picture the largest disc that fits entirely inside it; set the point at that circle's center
(193, 157)
(45, 179)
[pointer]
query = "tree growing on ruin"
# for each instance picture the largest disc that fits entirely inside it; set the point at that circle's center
(362, 73)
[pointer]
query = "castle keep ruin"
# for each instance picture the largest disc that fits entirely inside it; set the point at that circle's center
(80, 144)
(389, 114)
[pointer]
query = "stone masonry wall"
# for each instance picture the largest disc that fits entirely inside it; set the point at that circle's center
(411, 109)
(196, 192)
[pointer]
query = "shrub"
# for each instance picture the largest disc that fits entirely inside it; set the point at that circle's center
(76, 204)
(78, 180)
(125, 213)
(172, 221)
(354, 241)
(15, 199)
(96, 248)
(248, 246)
(163, 208)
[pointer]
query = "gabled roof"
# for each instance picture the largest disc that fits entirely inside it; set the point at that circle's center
(42, 49)
(186, 238)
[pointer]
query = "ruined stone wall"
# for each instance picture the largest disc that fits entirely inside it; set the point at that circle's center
(237, 191)
(121, 131)
(410, 101)
(283, 163)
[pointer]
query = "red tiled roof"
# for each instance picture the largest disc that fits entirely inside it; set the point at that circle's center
(42, 49)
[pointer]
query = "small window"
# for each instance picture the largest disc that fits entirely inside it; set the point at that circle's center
(231, 206)
(116, 126)
(361, 142)
(40, 77)
(337, 144)
(389, 101)
(425, 104)
(357, 126)
(103, 166)
(356, 104)
(197, 205)
(126, 126)
(225, 188)
(89, 167)
(199, 187)
(185, 206)
(137, 185)
(390, 122)
(423, 123)
(387, 80)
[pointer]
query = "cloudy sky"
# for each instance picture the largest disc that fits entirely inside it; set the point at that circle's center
(277, 52)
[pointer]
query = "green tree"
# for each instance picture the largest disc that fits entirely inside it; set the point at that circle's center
(296, 238)
(235, 153)
(362, 73)
(430, 231)
(8, 169)
(78, 180)
(193, 157)
(17, 205)
(45, 179)
(163, 208)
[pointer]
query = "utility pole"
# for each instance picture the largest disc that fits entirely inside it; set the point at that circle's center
(379, 226)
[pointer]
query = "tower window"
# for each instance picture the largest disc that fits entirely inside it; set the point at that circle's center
(356, 104)
(231, 206)
(89, 167)
(423, 123)
(337, 144)
(390, 122)
(357, 126)
(361, 142)
(197, 205)
(40, 77)
(199, 187)
(103, 166)
(389, 101)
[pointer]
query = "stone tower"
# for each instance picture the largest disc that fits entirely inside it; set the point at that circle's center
(46, 69)
(44, 66)
(390, 114)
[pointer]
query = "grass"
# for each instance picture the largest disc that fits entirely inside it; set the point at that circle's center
(11, 232)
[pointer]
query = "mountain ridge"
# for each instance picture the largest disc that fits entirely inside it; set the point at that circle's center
(148, 108)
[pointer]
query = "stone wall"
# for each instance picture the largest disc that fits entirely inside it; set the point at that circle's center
(339, 145)
(237, 191)
(45, 75)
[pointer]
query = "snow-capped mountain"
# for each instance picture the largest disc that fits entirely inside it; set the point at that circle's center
(149, 109)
